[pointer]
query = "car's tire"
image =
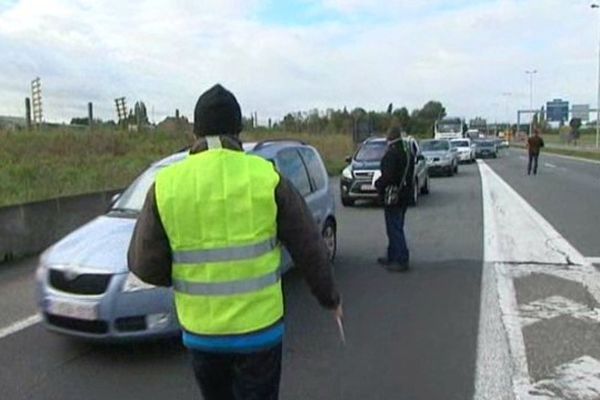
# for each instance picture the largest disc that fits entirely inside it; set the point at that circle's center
(425, 187)
(456, 168)
(347, 201)
(415, 194)
(450, 171)
(330, 237)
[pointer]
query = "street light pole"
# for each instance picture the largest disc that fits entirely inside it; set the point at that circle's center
(598, 99)
(531, 73)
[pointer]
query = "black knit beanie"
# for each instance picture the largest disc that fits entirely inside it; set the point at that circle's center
(217, 112)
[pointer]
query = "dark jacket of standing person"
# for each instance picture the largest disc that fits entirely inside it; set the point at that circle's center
(535, 143)
(394, 166)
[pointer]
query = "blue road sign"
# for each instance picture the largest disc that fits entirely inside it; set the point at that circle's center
(557, 110)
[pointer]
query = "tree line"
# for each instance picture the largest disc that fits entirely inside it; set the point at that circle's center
(418, 122)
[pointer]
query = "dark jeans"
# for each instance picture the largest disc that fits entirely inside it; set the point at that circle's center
(533, 159)
(229, 376)
(394, 224)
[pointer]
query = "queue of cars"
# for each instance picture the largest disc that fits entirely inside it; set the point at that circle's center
(84, 287)
(431, 157)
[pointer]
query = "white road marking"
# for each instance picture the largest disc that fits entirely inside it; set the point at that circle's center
(550, 165)
(576, 380)
(515, 233)
(20, 325)
(523, 158)
(593, 260)
(556, 306)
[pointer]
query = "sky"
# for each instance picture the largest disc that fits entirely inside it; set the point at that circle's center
(285, 56)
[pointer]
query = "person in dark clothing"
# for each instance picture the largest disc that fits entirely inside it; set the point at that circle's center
(394, 187)
(534, 145)
(233, 326)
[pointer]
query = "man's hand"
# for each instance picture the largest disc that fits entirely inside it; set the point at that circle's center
(338, 312)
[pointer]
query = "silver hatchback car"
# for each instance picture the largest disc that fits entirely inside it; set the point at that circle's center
(84, 288)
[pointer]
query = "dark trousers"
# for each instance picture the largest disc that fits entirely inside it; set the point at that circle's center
(533, 159)
(231, 376)
(394, 224)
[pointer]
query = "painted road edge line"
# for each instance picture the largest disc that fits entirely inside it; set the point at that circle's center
(20, 325)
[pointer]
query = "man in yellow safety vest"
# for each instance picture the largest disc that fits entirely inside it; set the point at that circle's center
(212, 227)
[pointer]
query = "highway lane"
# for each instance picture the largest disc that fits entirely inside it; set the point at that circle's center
(409, 335)
(565, 191)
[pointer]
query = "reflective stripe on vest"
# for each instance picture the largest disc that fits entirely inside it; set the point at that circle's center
(224, 254)
(219, 212)
(227, 288)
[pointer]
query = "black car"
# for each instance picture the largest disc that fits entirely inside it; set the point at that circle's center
(356, 182)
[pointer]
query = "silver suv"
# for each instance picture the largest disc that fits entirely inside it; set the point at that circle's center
(84, 287)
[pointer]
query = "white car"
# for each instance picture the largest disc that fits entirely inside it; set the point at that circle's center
(466, 150)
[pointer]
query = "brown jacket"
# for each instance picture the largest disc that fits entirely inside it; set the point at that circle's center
(149, 255)
(534, 144)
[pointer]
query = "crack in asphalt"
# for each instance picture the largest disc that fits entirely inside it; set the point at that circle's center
(548, 244)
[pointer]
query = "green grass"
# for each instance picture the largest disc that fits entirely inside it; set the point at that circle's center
(589, 155)
(585, 140)
(42, 165)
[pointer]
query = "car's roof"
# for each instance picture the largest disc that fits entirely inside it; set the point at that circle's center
(265, 149)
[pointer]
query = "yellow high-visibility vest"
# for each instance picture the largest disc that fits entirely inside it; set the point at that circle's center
(219, 212)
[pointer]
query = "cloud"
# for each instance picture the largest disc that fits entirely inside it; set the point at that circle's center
(166, 53)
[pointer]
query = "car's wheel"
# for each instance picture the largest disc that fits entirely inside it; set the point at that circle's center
(347, 201)
(450, 171)
(425, 187)
(415, 193)
(330, 238)
(456, 168)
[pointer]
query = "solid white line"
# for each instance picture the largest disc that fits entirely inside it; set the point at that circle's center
(593, 260)
(20, 325)
(550, 165)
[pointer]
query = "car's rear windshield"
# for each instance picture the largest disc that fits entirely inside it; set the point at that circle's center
(460, 143)
(485, 143)
(372, 151)
(434, 145)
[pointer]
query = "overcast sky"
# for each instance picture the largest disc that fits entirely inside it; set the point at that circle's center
(281, 56)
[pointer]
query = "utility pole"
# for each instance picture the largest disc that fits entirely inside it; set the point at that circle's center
(90, 115)
(531, 73)
(596, 6)
(28, 113)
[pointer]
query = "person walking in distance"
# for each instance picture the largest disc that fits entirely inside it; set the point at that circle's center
(534, 145)
(395, 188)
(212, 227)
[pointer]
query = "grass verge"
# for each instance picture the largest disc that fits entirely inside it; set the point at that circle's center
(588, 155)
(42, 165)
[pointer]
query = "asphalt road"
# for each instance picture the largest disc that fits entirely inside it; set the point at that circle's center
(409, 336)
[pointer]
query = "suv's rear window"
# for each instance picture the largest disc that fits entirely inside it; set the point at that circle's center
(434, 145)
(372, 151)
(460, 143)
